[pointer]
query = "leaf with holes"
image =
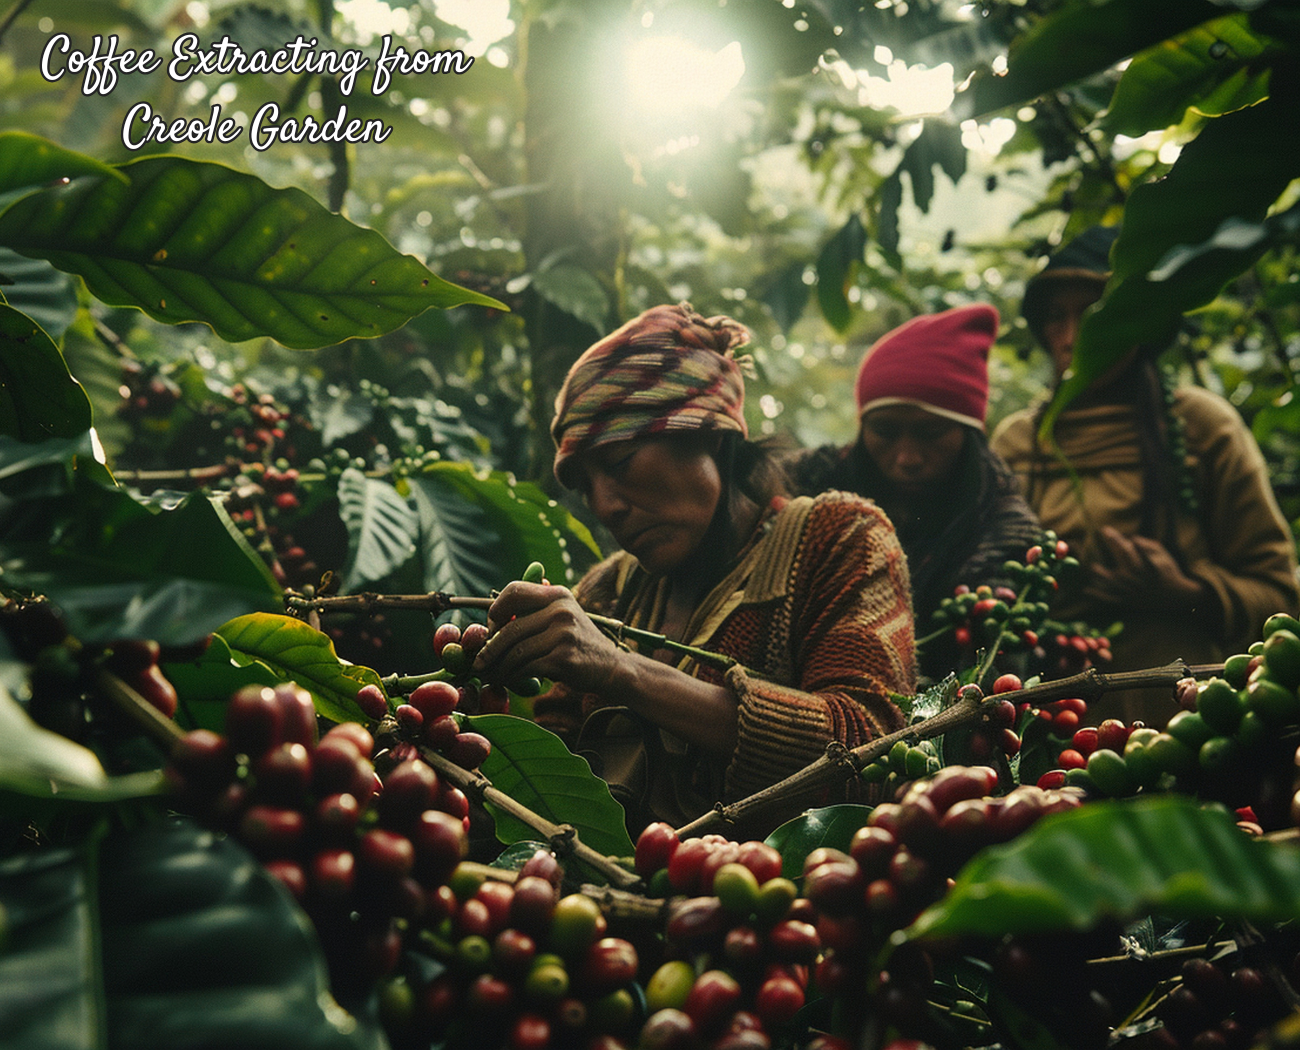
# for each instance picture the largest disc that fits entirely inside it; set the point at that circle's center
(381, 528)
(188, 240)
(533, 767)
(298, 652)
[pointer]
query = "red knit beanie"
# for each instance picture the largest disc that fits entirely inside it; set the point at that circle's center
(938, 361)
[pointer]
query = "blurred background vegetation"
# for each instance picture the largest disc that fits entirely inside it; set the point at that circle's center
(803, 165)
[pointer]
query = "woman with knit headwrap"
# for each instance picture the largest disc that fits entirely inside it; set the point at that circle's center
(1162, 493)
(809, 597)
(922, 457)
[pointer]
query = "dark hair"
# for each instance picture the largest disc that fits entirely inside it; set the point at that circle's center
(751, 477)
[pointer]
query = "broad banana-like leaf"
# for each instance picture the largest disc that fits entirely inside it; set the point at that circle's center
(188, 240)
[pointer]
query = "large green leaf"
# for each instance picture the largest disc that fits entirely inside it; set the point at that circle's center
(27, 161)
(1233, 170)
(533, 767)
(118, 568)
(205, 684)
(1213, 67)
(381, 526)
(298, 652)
(1119, 860)
(49, 992)
(39, 399)
(1078, 40)
(188, 240)
(196, 945)
(480, 529)
(40, 764)
(40, 291)
(831, 826)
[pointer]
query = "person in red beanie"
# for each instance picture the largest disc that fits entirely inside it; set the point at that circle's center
(922, 456)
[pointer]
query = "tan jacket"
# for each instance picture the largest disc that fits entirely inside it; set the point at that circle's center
(1236, 541)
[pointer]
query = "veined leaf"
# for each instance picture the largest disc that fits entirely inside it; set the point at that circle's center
(39, 399)
(1119, 860)
(189, 240)
(201, 946)
(829, 826)
(49, 989)
(479, 530)
(533, 767)
(40, 291)
(1079, 40)
(204, 685)
(118, 568)
(382, 528)
(27, 161)
(298, 652)
(41, 764)
(1208, 67)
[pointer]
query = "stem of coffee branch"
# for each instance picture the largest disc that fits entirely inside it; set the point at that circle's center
(562, 838)
(439, 602)
(841, 763)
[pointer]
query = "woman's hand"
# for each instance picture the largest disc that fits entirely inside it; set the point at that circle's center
(1142, 574)
(540, 630)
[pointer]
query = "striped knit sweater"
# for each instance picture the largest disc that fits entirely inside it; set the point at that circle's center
(826, 621)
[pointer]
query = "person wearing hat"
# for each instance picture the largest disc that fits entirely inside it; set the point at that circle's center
(808, 597)
(1161, 492)
(921, 455)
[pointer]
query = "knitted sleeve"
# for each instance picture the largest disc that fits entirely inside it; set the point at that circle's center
(850, 635)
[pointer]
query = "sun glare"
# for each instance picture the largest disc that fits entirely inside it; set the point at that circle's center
(666, 76)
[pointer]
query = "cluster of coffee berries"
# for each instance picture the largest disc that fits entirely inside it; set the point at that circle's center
(257, 427)
(147, 392)
(427, 717)
(135, 661)
(901, 861)
(1011, 613)
(732, 908)
(1015, 617)
(525, 967)
(1216, 1005)
(363, 855)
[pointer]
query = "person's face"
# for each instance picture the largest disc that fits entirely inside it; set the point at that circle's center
(1062, 316)
(656, 495)
(915, 449)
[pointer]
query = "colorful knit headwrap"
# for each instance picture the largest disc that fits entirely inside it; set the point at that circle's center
(669, 370)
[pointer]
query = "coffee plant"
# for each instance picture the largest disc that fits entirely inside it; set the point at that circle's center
(253, 794)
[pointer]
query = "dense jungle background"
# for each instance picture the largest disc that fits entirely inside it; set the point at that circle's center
(273, 425)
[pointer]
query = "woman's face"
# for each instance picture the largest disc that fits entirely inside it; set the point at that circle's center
(656, 495)
(915, 449)
(1062, 315)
